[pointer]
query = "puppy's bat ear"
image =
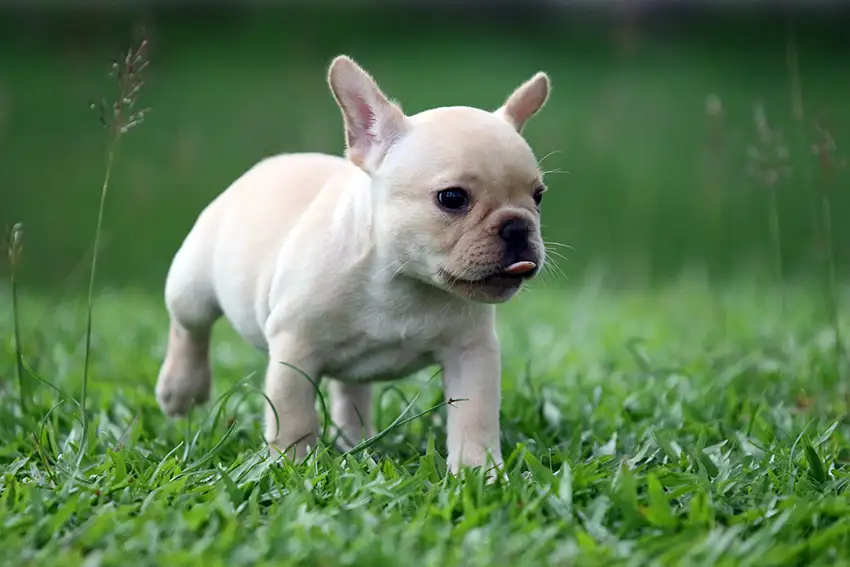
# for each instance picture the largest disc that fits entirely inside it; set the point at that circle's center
(372, 122)
(525, 101)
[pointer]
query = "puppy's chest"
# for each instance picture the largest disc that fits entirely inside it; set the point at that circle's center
(375, 347)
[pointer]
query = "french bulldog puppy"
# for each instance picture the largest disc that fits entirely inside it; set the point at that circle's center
(368, 267)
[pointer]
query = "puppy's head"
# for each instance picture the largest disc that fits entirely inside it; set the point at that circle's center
(457, 190)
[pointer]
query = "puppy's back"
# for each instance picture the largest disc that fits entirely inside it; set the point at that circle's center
(229, 255)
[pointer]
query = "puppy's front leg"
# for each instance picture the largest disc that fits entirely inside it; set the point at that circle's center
(473, 373)
(296, 428)
(351, 411)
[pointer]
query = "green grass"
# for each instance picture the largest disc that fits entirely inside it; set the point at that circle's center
(668, 427)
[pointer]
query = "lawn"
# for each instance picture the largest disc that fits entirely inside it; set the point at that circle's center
(677, 426)
(648, 418)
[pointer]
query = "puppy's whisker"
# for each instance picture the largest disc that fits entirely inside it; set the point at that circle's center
(548, 271)
(548, 171)
(553, 243)
(550, 154)
(518, 293)
(556, 254)
(552, 265)
(463, 275)
(466, 273)
(542, 278)
(556, 269)
(557, 273)
(400, 268)
(384, 269)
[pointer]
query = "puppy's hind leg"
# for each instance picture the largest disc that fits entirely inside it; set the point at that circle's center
(185, 377)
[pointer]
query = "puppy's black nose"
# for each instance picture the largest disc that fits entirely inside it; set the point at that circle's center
(515, 233)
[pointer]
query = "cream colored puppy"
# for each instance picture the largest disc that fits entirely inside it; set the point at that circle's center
(367, 268)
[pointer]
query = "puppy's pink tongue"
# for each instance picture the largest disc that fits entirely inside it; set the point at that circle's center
(519, 268)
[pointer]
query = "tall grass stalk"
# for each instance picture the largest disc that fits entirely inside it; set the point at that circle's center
(769, 164)
(118, 117)
(832, 292)
(776, 241)
(824, 148)
(714, 178)
(14, 249)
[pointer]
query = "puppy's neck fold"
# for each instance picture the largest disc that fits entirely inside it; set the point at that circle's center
(354, 219)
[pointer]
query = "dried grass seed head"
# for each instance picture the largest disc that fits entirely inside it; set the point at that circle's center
(128, 72)
(768, 156)
(15, 244)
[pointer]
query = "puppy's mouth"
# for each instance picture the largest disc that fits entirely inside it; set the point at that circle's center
(503, 279)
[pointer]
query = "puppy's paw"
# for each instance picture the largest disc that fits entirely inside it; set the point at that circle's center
(179, 392)
(497, 473)
(492, 473)
(493, 466)
(349, 436)
(295, 450)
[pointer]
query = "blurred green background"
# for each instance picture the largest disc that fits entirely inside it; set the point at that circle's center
(653, 175)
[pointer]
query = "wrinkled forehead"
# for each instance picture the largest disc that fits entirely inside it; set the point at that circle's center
(453, 145)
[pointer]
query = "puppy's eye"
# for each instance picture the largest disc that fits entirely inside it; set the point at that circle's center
(453, 199)
(538, 196)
